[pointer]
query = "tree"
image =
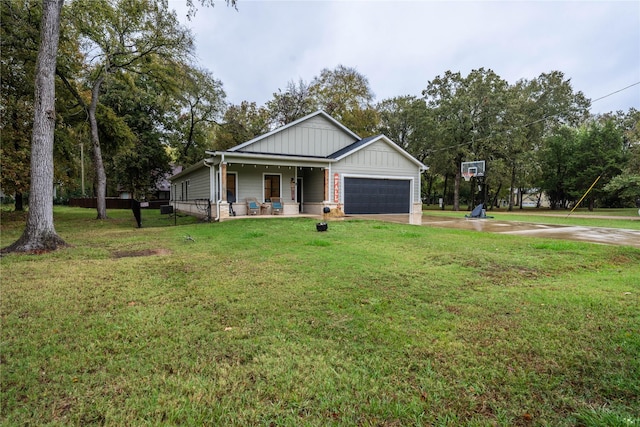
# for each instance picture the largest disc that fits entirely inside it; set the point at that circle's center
(625, 188)
(122, 35)
(345, 94)
(241, 123)
(295, 102)
(469, 113)
(409, 123)
(19, 36)
(39, 233)
(201, 100)
(133, 121)
(599, 153)
(556, 160)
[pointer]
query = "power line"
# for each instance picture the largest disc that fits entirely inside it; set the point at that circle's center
(617, 91)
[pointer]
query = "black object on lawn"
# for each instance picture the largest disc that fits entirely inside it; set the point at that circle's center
(478, 212)
(135, 207)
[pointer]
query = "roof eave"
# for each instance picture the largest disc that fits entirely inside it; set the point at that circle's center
(189, 169)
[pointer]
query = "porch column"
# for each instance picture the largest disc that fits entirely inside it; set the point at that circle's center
(223, 184)
(326, 184)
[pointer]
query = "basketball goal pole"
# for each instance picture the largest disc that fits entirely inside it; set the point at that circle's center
(584, 195)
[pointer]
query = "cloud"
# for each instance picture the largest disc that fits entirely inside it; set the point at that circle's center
(401, 45)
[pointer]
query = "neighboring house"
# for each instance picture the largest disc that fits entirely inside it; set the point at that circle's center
(310, 164)
(161, 191)
(163, 186)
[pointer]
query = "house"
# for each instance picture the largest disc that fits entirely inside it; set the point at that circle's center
(309, 165)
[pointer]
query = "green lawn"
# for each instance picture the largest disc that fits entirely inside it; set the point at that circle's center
(269, 322)
(616, 218)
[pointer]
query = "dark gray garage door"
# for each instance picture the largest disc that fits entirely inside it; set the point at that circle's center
(376, 196)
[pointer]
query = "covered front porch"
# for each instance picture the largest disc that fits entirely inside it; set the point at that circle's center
(299, 184)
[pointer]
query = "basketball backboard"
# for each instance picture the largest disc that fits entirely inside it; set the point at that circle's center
(471, 169)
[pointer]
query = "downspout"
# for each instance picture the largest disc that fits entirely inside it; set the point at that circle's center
(211, 189)
(219, 200)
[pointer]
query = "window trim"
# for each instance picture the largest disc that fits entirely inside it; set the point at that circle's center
(264, 176)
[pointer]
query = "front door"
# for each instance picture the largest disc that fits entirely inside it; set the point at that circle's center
(232, 192)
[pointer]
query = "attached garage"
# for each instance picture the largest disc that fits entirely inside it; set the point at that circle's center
(376, 196)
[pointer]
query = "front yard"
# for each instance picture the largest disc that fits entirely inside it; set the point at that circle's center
(269, 322)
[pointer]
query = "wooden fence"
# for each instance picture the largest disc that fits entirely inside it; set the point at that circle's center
(113, 203)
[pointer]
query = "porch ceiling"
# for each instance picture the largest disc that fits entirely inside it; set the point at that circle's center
(267, 159)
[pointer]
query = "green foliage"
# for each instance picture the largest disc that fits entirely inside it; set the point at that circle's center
(19, 40)
(291, 104)
(625, 188)
(557, 158)
(200, 103)
(241, 123)
(345, 94)
(572, 159)
(368, 324)
(468, 113)
(599, 153)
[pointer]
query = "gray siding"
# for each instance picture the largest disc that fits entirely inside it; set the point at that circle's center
(314, 137)
(196, 185)
(379, 160)
(251, 181)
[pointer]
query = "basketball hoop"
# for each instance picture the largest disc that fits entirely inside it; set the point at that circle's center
(472, 169)
(469, 173)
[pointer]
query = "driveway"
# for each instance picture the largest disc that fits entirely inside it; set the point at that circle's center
(607, 236)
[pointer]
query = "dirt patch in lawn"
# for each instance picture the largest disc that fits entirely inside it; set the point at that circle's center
(143, 252)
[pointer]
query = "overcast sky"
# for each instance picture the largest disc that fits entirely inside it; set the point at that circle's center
(401, 45)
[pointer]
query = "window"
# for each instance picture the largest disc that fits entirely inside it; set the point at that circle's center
(271, 186)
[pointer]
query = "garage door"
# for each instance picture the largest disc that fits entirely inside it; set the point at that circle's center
(376, 196)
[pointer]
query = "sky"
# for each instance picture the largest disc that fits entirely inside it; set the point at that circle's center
(402, 45)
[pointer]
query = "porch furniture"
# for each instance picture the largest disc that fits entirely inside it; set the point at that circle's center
(276, 206)
(253, 208)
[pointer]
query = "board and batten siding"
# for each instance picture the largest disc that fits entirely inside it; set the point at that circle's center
(379, 160)
(316, 137)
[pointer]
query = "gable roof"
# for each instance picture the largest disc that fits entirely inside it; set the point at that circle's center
(295, 123)
(359, 145)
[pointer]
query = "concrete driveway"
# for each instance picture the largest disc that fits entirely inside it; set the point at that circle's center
(607, 236)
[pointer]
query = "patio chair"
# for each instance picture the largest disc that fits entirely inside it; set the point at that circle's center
(276, 206)
(253, 207)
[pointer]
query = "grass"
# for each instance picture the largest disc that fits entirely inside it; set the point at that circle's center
(268, 322)
(609, 218)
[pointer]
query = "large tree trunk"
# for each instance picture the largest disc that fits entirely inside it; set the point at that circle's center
(456, 191)
(39, 233)
(444, 191)
(495, 197)
(512, 184)
(456, 183)
(101, 176)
